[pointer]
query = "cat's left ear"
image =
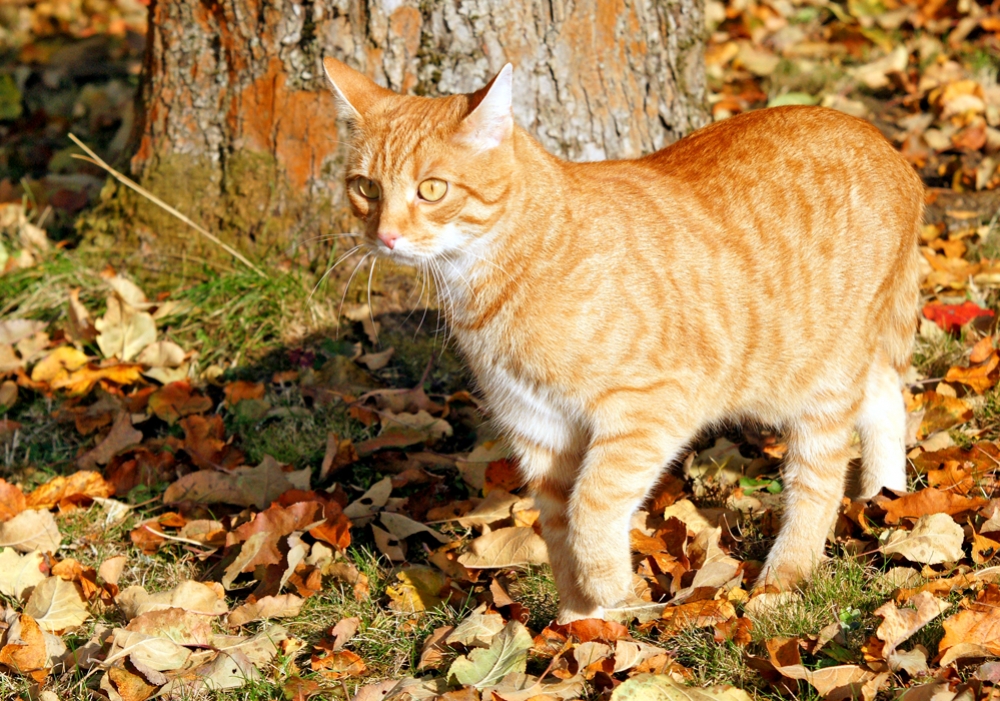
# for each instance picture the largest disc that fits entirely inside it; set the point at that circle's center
(490, 122)
(355, 92)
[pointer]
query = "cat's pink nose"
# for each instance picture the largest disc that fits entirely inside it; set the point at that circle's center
(388, 238)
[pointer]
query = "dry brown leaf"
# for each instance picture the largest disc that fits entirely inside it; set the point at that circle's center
(56, 605)
(899, 624)
(79, 327)
(929, 501)
(124, 331)
(111, 569)
(146, 652)
(15, 330)
(934, 539)
(478, 629)
(19, 574)
(282, 606)
(188, 595)
(24, 650)
(979, 625)
(12, 501)
(176, 624)
(31, 530)
(177, 400)
(83, 483)
(121, 436)
(505, 547)
(420, 588)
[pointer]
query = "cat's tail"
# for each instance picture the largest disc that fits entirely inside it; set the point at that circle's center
(903, 298)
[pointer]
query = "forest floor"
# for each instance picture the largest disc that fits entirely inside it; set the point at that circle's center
(282, 487)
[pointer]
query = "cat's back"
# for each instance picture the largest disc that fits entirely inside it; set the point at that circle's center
(791, 149)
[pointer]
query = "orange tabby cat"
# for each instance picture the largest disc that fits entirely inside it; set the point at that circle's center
(763, 269)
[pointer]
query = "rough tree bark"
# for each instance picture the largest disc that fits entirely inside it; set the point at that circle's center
(238, 129)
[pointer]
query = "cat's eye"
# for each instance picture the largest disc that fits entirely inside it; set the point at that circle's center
(368, 188)
(432, 189)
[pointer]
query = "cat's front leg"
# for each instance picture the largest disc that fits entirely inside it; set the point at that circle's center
(551, 475)
(617, 473)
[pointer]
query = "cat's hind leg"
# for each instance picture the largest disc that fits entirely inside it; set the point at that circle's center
(881, 425)
(813, 473)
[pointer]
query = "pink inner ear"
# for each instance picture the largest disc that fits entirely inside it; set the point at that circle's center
(490, 122)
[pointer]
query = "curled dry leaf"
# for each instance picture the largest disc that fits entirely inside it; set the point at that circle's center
(58, 364)
(12, 501)
(934, 539)
(506, 547)
(31, 530)
(24, 648)
(899, 624)
(282, 606)
(57, 490)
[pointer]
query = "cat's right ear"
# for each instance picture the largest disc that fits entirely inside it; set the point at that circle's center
(490, 122)
(355, 92)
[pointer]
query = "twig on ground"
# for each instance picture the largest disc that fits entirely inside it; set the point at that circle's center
(96, 160)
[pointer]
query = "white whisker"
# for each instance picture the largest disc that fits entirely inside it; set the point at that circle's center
(371, 313)
(331, 268)
(340, 310)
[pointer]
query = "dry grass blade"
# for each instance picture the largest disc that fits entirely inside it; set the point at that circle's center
(96, 160)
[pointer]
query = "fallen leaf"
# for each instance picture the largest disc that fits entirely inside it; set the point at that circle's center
(83, 483)
(477, 629)
(31, 530)
(161, 354)
(146, 651)
(338, 665)
(124, 331)
(485, 667)
(241, 390)
(20, 573)
(121, 436)
(344, 631)
(188, 595)
(951, 317)
(662, 687)
(56, 605)
(506, 547)
(930, 501)
(977, 377)
(899, 624)
(24, 650)
(420, 588)
(176, 400)
(283, 606)
(978, 625)
(14, 330)
(377, 361)
(934, 539)
(175, 624)
(12, 501)
(58, 364)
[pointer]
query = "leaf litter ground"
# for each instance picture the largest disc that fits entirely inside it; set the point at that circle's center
(209, 491)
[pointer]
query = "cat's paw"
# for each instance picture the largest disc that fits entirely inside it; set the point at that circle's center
(568, 615)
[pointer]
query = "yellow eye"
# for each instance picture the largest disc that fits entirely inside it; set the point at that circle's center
(369, 188)
(432, 189)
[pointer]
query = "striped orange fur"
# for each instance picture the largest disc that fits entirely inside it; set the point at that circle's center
(763, 269)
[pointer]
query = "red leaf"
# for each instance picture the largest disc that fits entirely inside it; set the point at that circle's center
(951, 317)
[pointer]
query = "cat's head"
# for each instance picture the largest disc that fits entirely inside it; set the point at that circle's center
(426, 175)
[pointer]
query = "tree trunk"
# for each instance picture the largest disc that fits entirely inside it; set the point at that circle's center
(237, 128)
